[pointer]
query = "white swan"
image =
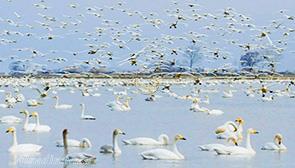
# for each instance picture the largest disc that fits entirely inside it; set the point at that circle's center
(276, 145)
(164, 154)
(211, 147)
(231, 129)
(74, 158)
(115, 149)
(196, 108)
(33, 103)
(120, 106)
(21, 148)
(61, 106)
(38, 127)
(10, 119)
(84, 143)
(237, 150)
(267, 99)
(163, 139)
(83, 116)
(227, 94)
(27, 126)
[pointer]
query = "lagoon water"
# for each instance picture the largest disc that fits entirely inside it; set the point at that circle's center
(165, 115)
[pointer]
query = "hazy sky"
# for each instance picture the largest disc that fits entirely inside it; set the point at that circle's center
(30, 19)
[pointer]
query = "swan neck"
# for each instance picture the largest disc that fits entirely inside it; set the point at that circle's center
(38, 120)
(26, 121)
(65, 142)
(248, 141)
(175, 150)
(14, 139)
(83, 110)
(115, 144)
(57, 101)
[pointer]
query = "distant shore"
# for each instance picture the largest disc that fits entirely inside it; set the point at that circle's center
(157, 75)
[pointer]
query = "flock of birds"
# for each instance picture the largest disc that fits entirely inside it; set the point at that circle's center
(231, 131)
(139, 40)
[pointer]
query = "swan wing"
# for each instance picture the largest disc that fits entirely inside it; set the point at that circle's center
(159, 154)
(141, 141)
(25, 148)
(106, 149)
(269, 146)
(71, 143)
(210, 147)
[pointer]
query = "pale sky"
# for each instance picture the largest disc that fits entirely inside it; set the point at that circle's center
(27, 17)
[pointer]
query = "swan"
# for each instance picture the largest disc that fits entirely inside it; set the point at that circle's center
(21, 148)
(120, 106)
(237, 150)
(115, 147)
(38, 127)
(207, 100)
(84, 143)
(231, 129)
(267, 99)
(83, 116)
(61, 106)
(44, 92)
(19, 97)
(196, 108)
(27, 126)
(163, 139)
(10, 119)
(33, 102)
(164, 154)
(75, 158)
(211, 147)
(227, 94)
(276, 145)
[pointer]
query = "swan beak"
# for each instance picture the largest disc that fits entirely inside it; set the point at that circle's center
(256, 132)
(236, 144)
(9, 130)
(123, 133)
(183, 138)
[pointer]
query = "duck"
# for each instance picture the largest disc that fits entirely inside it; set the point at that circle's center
(75, 158)
(28, 127)
(114, 148)
(276, 145)
(211, 147)
(21, 148)
(237, 150)
(83, 116)
(163, 139)
(164, 154)
(39, 127)
(231, 129)
(10, 119)
(61, 106)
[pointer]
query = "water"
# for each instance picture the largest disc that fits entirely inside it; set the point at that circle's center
(165, 115)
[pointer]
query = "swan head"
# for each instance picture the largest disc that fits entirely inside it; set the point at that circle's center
(82, 104)
(252, 131)
(34, 114)
(10, 130)
(179, 137)
(278, 138)
(118, 132)
(25, 112)
(233, 140)
(85, 143)
(239, 120)
(65, 132)
(164, 139)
